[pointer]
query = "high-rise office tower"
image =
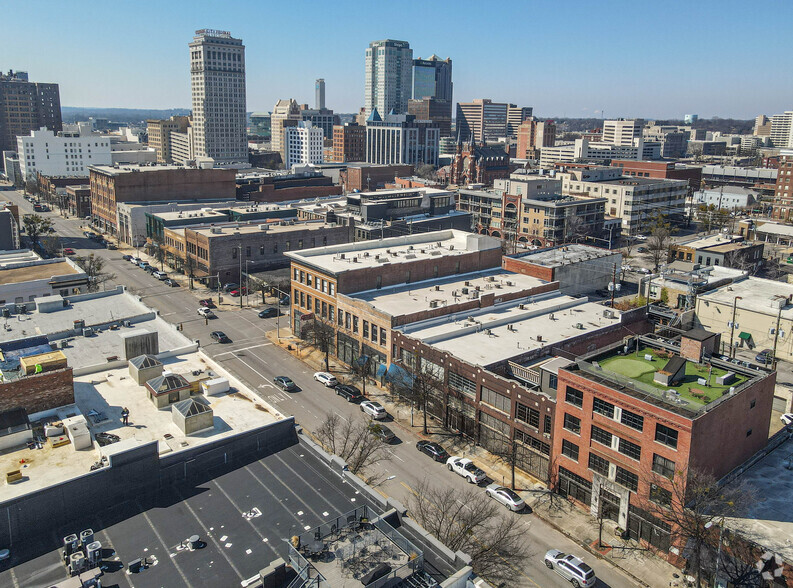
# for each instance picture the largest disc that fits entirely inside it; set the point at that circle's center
(389, 76)
(782, 129)
(432, 78)
(485, 120)
(286, 113)
(622, 131)
(319, 91)
(217, 71)
(26, 106)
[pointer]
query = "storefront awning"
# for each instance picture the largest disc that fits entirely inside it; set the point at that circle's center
(744, 335)
(399, 376)
(382, 369)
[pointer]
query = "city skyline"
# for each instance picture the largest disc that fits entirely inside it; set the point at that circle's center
(569, 68)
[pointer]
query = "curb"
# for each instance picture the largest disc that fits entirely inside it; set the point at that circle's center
(594, 552)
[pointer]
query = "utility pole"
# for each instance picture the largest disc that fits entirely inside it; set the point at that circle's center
(732, 325)
(614, 285)
(240, 247)
(776, 337)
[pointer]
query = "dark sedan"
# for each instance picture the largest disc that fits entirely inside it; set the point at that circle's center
(220, 337)
(271, 312)
(350, 393)
(432, 449)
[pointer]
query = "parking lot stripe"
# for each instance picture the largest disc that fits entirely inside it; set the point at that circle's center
(166, 550)
(203, 526)
(259, 533)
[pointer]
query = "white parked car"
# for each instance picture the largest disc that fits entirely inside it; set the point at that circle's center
(206, 312)
(571, 568)
(159, 275)
(374, 409)
(464, 467)
(787, 419)
(506, 497)
(325, 378)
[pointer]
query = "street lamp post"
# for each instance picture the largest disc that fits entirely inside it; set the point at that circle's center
(708, 525)
(732, 325)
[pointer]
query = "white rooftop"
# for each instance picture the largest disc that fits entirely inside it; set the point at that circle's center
(15, 256)
(757, 295)
(711, 241)
(108, 393)
(564, 255)
(410, 298)
(493, 334)
(704, 275)
(393, 250)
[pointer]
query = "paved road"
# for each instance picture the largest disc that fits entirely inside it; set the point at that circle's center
(255, 360)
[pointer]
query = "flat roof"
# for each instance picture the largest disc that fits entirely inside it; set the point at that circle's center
(711, 241)
(107, 393)
(393, 250)
(396, 192)
(293, 489)
(236, 228)
(129, 168)
(677, 277)
(503, 331)
(563, 255)
(15, 256)
(757, 295)
(36, 271)
(185, 214)
(634, 373)
(767, 520)
(409, 298)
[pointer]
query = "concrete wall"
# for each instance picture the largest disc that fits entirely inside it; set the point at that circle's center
(135, 475)
(38, 392)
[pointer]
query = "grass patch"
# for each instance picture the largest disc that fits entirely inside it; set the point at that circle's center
(636, 367)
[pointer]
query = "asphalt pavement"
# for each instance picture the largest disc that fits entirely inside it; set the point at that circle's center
(256, 361)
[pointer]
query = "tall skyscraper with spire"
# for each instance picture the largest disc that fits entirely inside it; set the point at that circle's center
(217, 75)
(389, 76)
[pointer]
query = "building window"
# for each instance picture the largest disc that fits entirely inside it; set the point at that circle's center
(547, 424)
(527, 415)
(464, 385)
(627, 479)
(366, 329)
(574, 397)
(630, 449)
(355, 324)
(660, 495)
(570, 449)
(663, 466)
(248, 251)
(234, 253)
(666, 435)
(602, 407)
(572, 424)
(601, 436)
(598, 464)
(632, 420)
(496, 400)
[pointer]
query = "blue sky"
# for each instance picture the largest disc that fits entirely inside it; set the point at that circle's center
(565, 58)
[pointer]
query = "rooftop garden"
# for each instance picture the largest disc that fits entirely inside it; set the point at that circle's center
(637, 367)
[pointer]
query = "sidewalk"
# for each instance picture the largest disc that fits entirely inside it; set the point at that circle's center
(572, 521)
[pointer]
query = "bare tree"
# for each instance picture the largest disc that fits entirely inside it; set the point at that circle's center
(35, 226)
(423, 384)
(157, 248)
(32, 186)
(323, 335)
(361, 369)
(659, 244)
(468, 520)
(427, 172)
(50, 244)
(694, 505)
(188, 264)
(352, 440)
(94, 268)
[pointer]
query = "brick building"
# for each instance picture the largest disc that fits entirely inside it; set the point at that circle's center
(437, 110)
(724, 250)
(110, 185)
(26, 106)
(478, 164)
(367, 177)
(664, 170)
(38, 392)
(231, 249)
(349, 143)
(321, 275)
(633, 417)
(49, 186)
(78, 200)
(533, 135)
(499, 365)
(783, 192)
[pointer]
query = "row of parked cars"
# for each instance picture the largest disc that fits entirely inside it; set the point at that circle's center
(149, 268)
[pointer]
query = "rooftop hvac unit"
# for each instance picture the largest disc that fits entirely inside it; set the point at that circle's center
(264, 227)
(437, 288)
(63, 343)
(579, 325)
(489, 332)
(126, 323)
(366, 254)
(539, 337)
(467, 283)
(433, 304)
(488, 278)
(76, 563)
(608, 313)
(451, 247)
(521, 307)
(510, 328)
(70, 544)
(88, 332)
(86, 537)
(455, 293)
(552, 317)
(93, 552)
(341, 256)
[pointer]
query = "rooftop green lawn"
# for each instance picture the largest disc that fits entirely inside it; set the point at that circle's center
(636, 367)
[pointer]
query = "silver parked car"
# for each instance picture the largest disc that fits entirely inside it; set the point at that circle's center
(571, 568)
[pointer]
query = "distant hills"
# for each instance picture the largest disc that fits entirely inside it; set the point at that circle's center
(124, 115)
